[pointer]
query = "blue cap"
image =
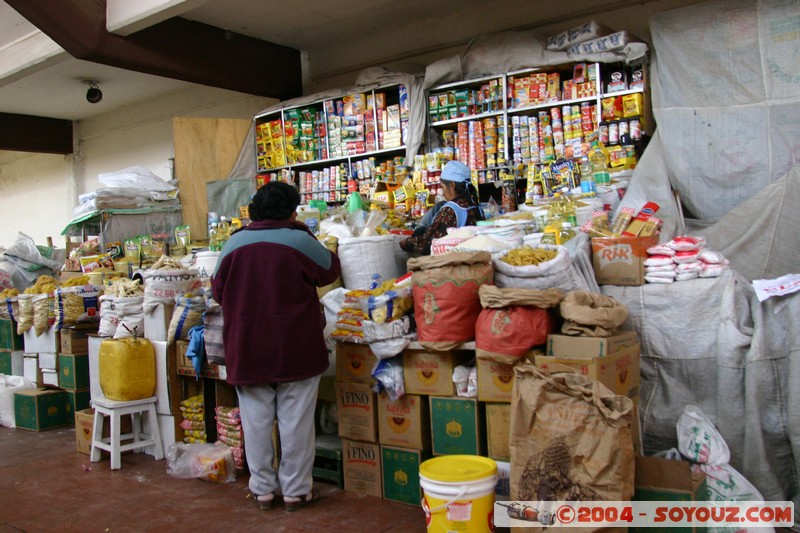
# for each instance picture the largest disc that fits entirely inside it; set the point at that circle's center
(456, 171)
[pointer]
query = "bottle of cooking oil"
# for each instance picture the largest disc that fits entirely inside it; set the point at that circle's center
(551, 235)
(213, 239)
(566, 232)
(223, 230)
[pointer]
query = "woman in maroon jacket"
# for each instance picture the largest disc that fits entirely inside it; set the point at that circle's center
(266, 280)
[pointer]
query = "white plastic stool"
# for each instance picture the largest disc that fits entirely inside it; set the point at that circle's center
(114, 410)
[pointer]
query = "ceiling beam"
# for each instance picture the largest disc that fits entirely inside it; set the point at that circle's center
(176, 48)
(27, 133)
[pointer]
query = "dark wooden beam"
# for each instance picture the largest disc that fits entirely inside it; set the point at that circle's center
(27, 133)
(176, 48)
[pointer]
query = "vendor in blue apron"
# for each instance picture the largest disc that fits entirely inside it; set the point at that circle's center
(460, 208)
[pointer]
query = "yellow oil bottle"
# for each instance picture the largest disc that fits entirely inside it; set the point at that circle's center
(127, 369)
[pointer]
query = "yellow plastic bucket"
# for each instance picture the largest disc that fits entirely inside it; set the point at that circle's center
(458, 493)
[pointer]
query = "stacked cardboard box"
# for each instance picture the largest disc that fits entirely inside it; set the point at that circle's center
(11, 349)
(73, 367)
(357, 409)
(613, 361)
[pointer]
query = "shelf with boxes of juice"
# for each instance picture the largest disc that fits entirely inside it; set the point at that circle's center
(329, 129)
(474, 99)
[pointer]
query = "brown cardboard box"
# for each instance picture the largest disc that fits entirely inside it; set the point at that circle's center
(659, 479)
(495, 381)
(75, 340)
(84, 424)
(498, 429)
(586, 347)
(431, 373)
(354, 363)
(362, 467)
(618, 372)
(356, 405)
(404, 422)
(620, 260)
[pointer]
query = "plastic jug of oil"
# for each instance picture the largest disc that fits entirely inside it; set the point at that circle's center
(310, 216)
(127, 369)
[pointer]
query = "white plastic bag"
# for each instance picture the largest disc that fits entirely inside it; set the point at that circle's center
(8, 386)
(701, 443)
(209, 462)
(363, 257)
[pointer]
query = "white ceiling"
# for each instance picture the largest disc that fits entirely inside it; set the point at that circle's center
(339, 37)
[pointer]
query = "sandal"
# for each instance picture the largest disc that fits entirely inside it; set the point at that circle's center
(292, 506)
(264, 505)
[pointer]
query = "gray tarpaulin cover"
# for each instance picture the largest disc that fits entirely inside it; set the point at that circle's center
(726, 89)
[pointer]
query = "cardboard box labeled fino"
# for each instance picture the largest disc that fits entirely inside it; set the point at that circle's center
(570, 346)
(431, 373)
(458, 426)
(401, 474)
(354, 363)
(620, 260)
(619, 372)
(362, 467)
(356, 405)
(495, 381)
(404, 422)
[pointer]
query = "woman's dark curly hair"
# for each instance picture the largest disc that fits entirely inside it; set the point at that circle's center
(275, 200)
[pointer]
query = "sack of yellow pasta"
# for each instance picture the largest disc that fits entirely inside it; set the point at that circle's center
(25, 314)
(542, 267)
(78, 304)
(43, 313)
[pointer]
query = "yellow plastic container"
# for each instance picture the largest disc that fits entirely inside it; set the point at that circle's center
(458, 493)
(127, 369)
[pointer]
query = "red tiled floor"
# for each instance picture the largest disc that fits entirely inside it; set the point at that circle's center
(47, 486)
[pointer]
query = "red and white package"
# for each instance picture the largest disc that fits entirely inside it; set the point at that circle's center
(684, 244)
(662, 274)
(695, 266)
(685, 276)
(685, 257)
(712, 271)
(660, 249)
(663, 268)
(658, 260)
(712, 258)
(653, 279)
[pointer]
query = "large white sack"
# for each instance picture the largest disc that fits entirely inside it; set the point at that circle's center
(363, 257)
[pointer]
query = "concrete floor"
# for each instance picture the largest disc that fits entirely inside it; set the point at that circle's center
(45, 485)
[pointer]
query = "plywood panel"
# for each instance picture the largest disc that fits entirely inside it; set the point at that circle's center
(205, 150)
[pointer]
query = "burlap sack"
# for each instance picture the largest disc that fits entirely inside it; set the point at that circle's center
(591, 314)
(446, 302)
(513, 321)
(570, 439)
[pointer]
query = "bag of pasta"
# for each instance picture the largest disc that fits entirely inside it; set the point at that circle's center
(9, 309)
(188, 314)
(571, 438)
(513, 321)
(543, 267)
(77, 304)
(43, 313)
(25, 315)
(446, 302)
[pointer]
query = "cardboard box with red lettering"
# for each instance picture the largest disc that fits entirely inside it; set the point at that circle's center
(620, 260)
(362, 467)
(404, 422)
(428, 372)
(354, 363)
(356, 405)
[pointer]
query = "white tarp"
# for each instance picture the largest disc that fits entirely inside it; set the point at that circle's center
(726, 87)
